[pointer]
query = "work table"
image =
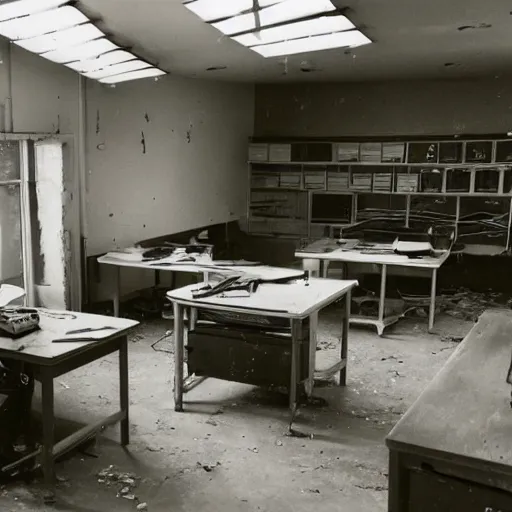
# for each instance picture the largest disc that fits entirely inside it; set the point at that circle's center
(459, 431)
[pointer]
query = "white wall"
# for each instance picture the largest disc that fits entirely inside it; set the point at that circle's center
(193, 171)
(44, 95)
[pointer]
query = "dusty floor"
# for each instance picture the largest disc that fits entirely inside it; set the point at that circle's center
(229, 451)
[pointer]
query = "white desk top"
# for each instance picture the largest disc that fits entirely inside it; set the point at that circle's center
(354, 256)
(153, 265)
(38, 345)
(292, 300)
(263, 271)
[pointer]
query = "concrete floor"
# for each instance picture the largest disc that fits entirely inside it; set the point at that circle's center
(229, 451)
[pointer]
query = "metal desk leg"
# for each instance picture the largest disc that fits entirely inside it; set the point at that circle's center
(382, 300)
(124, 391)
(344, 339)
(192, 321)
(117, 290)
(325, 269)
(432, 311)
(313, 328)
(48, 431)
(295, 366)
(179, 348)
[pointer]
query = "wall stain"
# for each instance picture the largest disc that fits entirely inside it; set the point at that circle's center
(110, 214)
(98, 122)
(143, 142)
(146, 117)
(189, 133)
(57, 129)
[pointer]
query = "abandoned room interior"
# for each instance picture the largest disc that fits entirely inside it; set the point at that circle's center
(255, 255)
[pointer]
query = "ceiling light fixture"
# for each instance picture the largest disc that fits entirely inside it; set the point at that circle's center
(42, 23)
(212, 11)
(133, 75)
(64, 35)
(281, 27)
(17, 8)
(117, 69)
(102, 61)
(85, 51)
(317, 26)
(288, 10)
(352, 38)
(62, 39)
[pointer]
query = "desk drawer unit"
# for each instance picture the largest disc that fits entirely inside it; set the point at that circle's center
(250, 356)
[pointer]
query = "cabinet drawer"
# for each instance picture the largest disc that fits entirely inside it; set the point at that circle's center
(432, 492)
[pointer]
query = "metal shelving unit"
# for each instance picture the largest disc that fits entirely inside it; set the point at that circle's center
(479, 170)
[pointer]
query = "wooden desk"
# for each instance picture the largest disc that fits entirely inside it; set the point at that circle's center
(452, 450)
(384, 261)
(294, 301)
(206, 270)
(49, 360)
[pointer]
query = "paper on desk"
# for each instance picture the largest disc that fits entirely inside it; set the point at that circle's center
(130, 254)
(10, 293)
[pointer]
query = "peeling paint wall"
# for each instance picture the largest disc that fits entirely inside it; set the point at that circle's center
(393, 108)
(51, 292)
(164, 156)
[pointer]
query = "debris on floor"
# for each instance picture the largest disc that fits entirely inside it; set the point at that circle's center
(208, 467)
(125, 482)
(462, 303)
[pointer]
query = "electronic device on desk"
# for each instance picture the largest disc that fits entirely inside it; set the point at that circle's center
(16, 322)
(412, 249)
(441, 238)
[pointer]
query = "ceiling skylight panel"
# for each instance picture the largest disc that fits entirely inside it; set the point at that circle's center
(317, 26)
(210, 10)
(133, 75)
(351, 39)
(42, 23)
(25, 7)
(288, 10)
(102, 61)
(62, 39)
(117, 69)
(84, 51)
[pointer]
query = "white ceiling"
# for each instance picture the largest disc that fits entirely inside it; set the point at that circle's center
(412, 39)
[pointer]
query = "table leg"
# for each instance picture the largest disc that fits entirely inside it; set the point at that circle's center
(124, 391)
(117, 290)
(432, 311)
(382, 300)
(325, 268)
(295, 366)
(193, 319)
(157, 278)
(48, 430)
(179, 348)
(344, 338)
(313, 329)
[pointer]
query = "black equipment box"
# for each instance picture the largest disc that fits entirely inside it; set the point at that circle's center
(245, 354)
